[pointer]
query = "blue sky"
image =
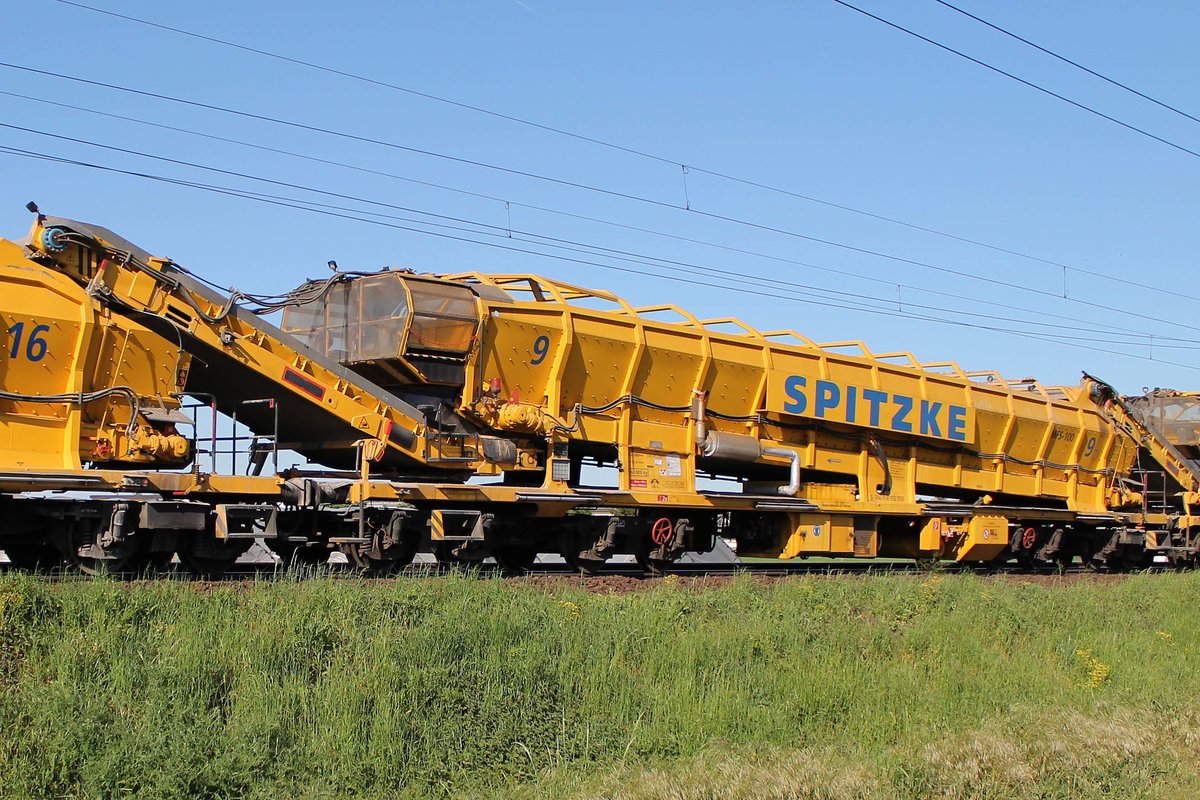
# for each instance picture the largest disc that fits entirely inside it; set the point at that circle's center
(809, 97)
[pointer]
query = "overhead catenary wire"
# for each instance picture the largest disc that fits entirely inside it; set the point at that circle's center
(181, 162)
(791, 287)
(1066, 60)
(911, 262)
(374, 81)
(308, 205)
(594, 140)
(554, 241)
(558, 212)
(623, 195)
(625, 256)
(1023, 81)
(774, 294)
(588, 187)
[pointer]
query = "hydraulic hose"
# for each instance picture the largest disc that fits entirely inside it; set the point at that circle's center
(80, 398)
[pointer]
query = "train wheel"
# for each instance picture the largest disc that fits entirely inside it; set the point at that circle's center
(656, 544)
(382, 556)
(33, 556)
(149, 563)
(515, 559)
(294, 555)
(443, 551)
(458, 555)
(1089, 555)
(654, 567)
(210, 558)
(206, 566)
(133, 565)
(1024, 547)
(581, 566)
(574, 545)
(81, 545)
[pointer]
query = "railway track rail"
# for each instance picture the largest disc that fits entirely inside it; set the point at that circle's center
(614, 574)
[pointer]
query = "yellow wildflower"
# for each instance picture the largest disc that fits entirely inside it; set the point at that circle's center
(1097, 670)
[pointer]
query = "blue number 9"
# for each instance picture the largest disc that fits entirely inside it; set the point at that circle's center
(541, 346)
(1089, 446)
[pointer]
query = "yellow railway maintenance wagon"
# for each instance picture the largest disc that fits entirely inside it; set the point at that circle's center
(506, 415)
(836, 450)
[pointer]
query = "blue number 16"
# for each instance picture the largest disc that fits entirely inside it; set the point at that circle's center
(541, 346)
(35, 350)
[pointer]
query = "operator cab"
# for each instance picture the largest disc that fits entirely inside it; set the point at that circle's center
(1175, 416)
(393, 328)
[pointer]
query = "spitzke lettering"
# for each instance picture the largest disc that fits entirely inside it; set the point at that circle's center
(859, 406)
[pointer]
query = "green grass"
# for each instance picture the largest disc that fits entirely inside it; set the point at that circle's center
(872, 687)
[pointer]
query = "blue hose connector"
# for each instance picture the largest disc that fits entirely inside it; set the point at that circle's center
(52, 240)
